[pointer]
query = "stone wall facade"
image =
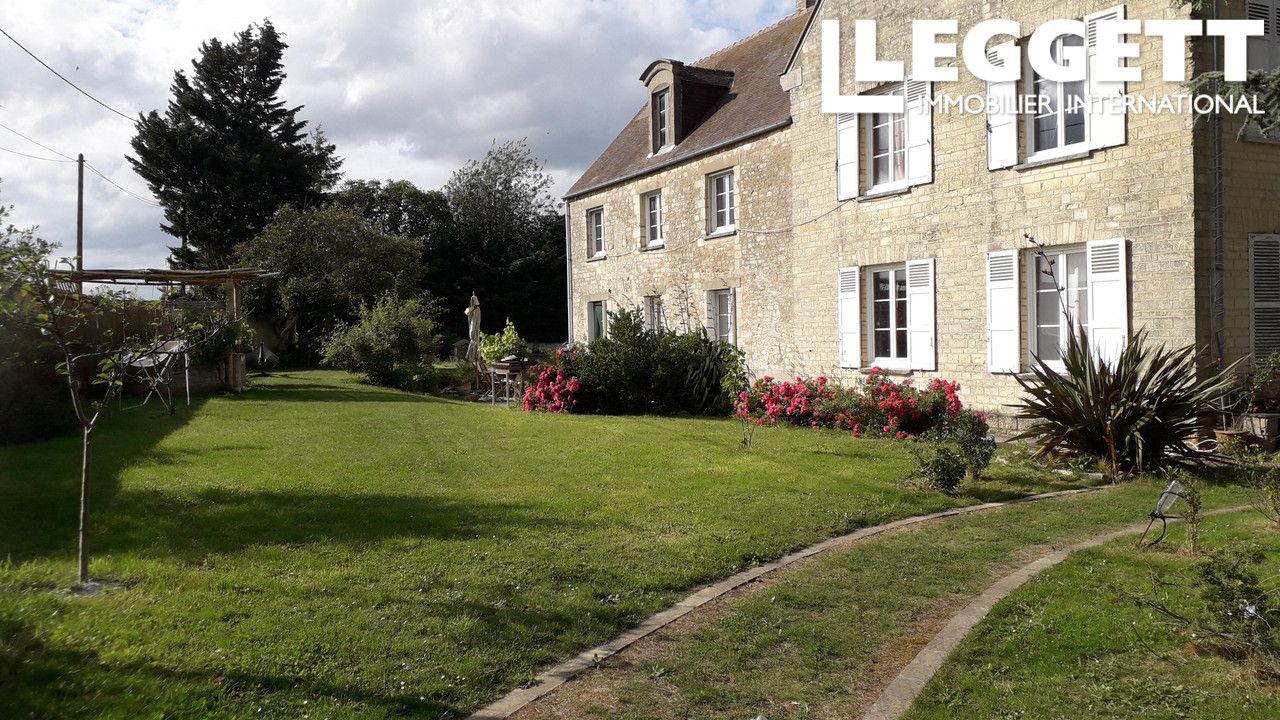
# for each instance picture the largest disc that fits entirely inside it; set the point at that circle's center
(794, 234)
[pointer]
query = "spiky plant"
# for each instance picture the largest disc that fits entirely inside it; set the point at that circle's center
(1139, 412)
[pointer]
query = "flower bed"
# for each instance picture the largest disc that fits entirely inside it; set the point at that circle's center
(555, 390)
(879, 406)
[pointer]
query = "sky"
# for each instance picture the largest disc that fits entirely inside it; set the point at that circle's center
(406, 90)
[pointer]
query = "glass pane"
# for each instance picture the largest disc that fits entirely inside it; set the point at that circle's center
(881, 319)
(899, 164)
(1043, 281)
(880, 136)
(1080, 308)
(1048, 308)
(1048, 344)
(880, 172)
(902, 344)
(1046, 132)
(1075, 273)
(901, 319)
(900, 284)
(882, 285)
(1073, 113)
(883, 349)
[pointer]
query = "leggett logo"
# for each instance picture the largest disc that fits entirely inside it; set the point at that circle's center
(1103, 48)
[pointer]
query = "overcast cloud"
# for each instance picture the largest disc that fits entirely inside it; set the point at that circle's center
(405, 89)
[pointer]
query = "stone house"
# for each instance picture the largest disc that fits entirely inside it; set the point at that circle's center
(827, 245)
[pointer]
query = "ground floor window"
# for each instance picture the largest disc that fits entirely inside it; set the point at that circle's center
(1061, 301)
(1265, 290)
(596, 319)
(720, 315)
(889, 316)
(654, 318)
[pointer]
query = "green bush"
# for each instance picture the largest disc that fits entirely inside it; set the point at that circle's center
(507, 343)
(1143, 409)
(971, 434)
(939, 464)
(393, 344)
(636, 371)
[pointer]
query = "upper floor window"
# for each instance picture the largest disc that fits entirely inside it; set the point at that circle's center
(661, 119)
(1058, 124)
(595, 233)
(1264, 50)
(887, 148)
(722, 202)
(652, 205)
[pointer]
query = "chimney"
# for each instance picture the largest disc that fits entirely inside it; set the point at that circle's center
(802, 5)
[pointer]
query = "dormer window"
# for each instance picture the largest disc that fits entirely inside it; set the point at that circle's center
(661, 120)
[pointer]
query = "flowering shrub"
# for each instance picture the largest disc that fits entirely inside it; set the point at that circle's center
(555, 390)
(879, 406)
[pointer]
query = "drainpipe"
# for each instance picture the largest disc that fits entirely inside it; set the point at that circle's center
(568, 266)
(1218, 303)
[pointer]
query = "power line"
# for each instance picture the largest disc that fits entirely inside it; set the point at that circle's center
(95, 170)
(62, 77)
(35, 157)
(36, 142)
(122, 189)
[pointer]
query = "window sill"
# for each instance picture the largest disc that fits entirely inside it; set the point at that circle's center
(890, 371)
(877, 193)
(653, 248)
(725, 232)
(1034, 162)
(597, 258)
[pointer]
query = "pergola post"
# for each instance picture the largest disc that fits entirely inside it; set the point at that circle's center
(235, 359)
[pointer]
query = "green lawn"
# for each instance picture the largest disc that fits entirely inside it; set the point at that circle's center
(1070, 645)
(823, 640)
(320, 547)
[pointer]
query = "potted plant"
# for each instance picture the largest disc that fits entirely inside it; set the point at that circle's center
(1262, 417)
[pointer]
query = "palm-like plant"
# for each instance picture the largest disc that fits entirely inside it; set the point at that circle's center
(1139, 412)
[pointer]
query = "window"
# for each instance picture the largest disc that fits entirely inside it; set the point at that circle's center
(661, 119)
(1061, 301)
(887, 148)
(889, 316)
(722, 202)
(1264, 50)
(653, 220)
(720, 315)
(596, 319)
(595, 233)
(1059, 121)
(654, 319)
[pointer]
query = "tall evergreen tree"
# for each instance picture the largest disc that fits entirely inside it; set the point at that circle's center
(228, 152)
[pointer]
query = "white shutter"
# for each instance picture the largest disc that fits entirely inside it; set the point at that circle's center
(1002, 118)
(919, 132)
(847, 149)
(1264, 261)
(849, 299)
(733, 316)
(1107, 262)
(920, 315)
(1106, 124)
(1004, 339)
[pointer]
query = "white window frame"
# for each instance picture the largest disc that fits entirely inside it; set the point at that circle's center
(891, 363)
(869, 149)
(597, 246)
(1061, 149)
(1059, 256)
(651, 207)
(592, 334)
(729, 195)
(723, 326)
(662, 120)
(654, 313)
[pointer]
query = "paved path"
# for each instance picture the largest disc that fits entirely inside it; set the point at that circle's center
(558, 675)
(897, 698)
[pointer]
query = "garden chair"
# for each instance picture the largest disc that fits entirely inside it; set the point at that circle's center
(155, 367)
(1163, 505)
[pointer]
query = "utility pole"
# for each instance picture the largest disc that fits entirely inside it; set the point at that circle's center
(80, 219)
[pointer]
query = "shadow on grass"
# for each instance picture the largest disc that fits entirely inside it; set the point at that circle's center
(316, 392)
(141, 689)
(218, 521)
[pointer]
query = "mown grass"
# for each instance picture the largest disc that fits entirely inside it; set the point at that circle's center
(317, 547)
(820, 642)
(1073, 644)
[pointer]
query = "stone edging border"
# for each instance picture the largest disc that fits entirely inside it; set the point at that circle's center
(557, 675)
(896, 699)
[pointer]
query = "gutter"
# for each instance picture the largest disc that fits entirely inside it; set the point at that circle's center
(568, 267)
(679, 160)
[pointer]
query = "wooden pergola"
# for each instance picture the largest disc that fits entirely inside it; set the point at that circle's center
(233, 279)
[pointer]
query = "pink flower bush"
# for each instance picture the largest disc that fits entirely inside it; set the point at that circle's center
(555, 391)
(880, 405)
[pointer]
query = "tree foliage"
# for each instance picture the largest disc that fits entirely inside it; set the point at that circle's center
(329, 262)
(1265, 85)
(228, 152)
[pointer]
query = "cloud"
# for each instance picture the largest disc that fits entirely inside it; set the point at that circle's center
(405, 90)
